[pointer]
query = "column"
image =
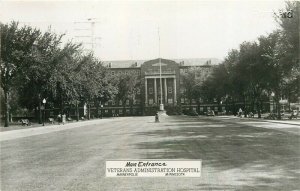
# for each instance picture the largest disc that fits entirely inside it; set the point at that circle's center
(166, 91)
(146, 93)
(175, 98)
(155, 91)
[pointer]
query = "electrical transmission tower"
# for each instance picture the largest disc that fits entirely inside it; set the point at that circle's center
(85, 34)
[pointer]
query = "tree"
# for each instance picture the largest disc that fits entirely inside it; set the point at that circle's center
(192, 81)
(127, 85)
(284, 60)
(16, 44)
(38, 70)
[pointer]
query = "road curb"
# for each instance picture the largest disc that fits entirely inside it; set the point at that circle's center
(264, 120)
(21, 133)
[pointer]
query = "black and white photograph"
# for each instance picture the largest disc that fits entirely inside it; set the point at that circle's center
(138, 95)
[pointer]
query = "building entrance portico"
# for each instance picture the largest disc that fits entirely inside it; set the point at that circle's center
(160, 76)
(152, 90)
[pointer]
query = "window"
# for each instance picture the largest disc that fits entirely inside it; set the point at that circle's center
(216, 108)
(106, 103)
(113, 102)
(170, 89)
(127, 102)
(170, 100)
(150, 90)
(137, 101)
(120, 102)
(193, 101)
(150, 101)
(201, 108)
(182, 90)
(138, 91)
(113, 111)
(106, 111)
(127, 111)
(182, 100)
(194, 108)
(120, 111)
(112, 72)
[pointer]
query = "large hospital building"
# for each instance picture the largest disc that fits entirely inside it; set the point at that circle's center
(149, 96)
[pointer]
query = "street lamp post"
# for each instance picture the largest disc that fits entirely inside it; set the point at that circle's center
(272, 95)
(44, 102)
(221, 107)
(101, 111)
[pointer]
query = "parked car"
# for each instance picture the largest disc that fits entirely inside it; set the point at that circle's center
(193, 113)
(190, 112)
(210, 113)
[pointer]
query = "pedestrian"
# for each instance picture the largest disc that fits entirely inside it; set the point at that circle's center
(64, 119)
(156, 117)
(240, 112)
(59, 118)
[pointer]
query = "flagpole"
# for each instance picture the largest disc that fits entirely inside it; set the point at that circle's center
(161, 106)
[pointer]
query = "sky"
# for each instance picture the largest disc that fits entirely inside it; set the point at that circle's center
(141, 30)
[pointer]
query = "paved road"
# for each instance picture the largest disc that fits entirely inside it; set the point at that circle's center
(237, 155)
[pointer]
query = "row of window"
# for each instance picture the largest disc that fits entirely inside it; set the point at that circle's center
(126, 72)
(170, 90)
(151, 101)
(168, 70)
(183, 100)
(113, 102)
(209, 109)
(119, 111)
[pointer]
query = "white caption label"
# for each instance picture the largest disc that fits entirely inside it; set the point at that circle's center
(153, 168)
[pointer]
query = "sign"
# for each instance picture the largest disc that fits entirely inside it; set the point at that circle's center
(153, 168)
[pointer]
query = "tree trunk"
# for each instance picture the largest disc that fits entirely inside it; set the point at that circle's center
(77, 111)
(6, 122)
(40, 111)
(89, 110)
(62, 106)
(278, 109)
(233, 107)
(97, 109)
(245, 107)
(198, 107)
(258, 105)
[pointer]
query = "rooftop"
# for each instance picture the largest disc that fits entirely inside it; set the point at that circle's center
(186, 61)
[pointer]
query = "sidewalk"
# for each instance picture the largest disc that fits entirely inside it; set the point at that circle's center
(284, 121)
(39, 129)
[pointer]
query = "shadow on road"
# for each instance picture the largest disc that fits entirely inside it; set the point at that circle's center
(266, 158)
